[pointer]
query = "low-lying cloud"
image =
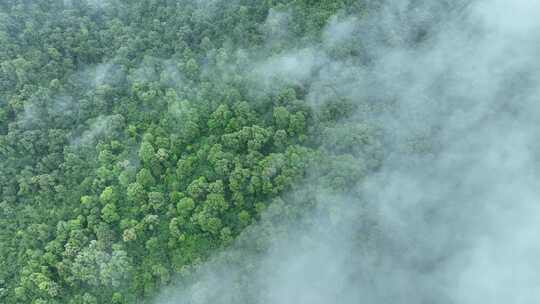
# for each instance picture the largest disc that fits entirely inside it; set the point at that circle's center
(451, 215)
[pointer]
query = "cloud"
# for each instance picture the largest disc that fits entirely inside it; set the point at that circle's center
(104, 126)
(276, 26)
(289, 67)
(453, 221)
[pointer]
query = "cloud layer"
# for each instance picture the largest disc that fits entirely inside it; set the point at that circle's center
(452, 215)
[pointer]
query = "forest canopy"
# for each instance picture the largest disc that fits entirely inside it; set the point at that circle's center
(138, 138)
(269, 151)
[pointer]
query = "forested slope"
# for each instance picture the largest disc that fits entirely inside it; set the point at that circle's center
(137, 138)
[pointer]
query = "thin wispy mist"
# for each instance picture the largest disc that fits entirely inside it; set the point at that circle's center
(100, 127)
(451, 214)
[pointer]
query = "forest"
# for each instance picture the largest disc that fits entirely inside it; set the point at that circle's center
(139, 137)
(269, 151)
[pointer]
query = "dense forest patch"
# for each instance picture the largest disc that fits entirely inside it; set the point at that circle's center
(137, 138)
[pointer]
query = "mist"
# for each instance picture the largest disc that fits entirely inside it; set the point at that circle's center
(450, 215)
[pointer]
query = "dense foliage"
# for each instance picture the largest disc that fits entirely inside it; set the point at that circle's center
(135, 141)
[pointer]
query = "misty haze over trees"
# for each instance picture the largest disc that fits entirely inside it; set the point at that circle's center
(269, 151)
